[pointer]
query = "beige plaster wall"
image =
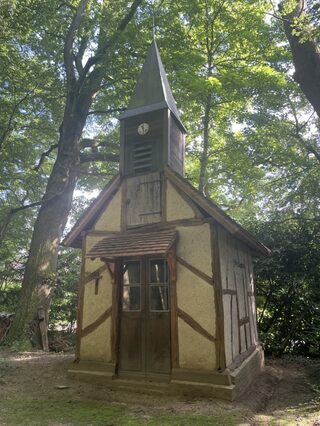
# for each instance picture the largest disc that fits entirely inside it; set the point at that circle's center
(177, 207)
(96, 345)
(195, 351)
(110, 219)
(194, 246)
(196, 297)
(95, 304)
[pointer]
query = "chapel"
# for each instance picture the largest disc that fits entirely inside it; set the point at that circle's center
(167, 292)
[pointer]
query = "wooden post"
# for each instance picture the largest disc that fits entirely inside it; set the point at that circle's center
(173, 308)
(81, 298)
(220, 348)
(115, 319)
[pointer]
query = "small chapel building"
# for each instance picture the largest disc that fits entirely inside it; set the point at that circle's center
(167, 291)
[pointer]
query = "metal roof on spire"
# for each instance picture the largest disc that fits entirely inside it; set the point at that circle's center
(152, 91)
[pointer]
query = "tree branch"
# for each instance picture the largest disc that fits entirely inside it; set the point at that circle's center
(95, 143)
(103, 49)
(68, 46)
(44, 155)
(106, 111)
(99, 156)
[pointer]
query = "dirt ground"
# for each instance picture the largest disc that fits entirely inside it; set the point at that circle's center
(287, 393)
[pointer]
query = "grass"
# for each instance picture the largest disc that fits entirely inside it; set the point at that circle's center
(46, 412)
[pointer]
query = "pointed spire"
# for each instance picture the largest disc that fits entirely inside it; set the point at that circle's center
(152, 91)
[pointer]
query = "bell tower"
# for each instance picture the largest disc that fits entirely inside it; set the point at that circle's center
(152, 134)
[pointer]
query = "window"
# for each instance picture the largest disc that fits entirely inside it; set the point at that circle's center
(158, 285)
(131, 290)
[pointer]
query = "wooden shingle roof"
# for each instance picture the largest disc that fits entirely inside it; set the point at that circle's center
(140, 244)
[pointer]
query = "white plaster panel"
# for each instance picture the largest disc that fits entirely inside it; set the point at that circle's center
(235, 327)
(252, 316)
(96, 346)
(240, 292)
(196, 297)
(227, 327)
(110, 219)
(194, 246)
(243, 346)
(248, 334)
(177, 207)
(195, 351)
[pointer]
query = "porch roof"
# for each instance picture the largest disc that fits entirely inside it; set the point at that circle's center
(134, 244)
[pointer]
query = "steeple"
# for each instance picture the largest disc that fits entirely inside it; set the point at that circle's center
(152, 134)
(152, 91)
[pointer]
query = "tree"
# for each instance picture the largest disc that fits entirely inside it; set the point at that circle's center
(83, 80)
(304, 44)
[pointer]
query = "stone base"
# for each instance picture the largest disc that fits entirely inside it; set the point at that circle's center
(227, 385)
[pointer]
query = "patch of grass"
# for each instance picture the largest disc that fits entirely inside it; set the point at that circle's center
(95, 413)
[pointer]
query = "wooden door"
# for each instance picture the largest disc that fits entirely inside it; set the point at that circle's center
(144, 339)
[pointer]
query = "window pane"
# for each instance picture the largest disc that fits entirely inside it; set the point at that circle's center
(158, 271)
(159, 298)
(131, 273)
(131, 298)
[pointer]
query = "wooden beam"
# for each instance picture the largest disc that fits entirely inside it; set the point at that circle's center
(238, 360)
(81, 299)
(104, 197)
(168, 225)
(229, 291)
(244, 321)
(216, 271)
(173, 308)
(115, 318)
(195, 270)
(93, 275)
(100, 320)
(195, 325)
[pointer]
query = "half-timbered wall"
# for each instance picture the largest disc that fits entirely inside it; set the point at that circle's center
(195, 294)
(240, 328)
(96, 312)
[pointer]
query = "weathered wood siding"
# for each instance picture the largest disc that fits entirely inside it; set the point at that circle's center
(142, 200)
(240, 328)
(176, 147)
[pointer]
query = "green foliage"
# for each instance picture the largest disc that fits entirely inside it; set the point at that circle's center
(288, 290)
(63, 310)
(262, 134)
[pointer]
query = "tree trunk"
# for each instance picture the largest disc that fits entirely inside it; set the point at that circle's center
(205, 149)
(306, 58)
(39, 277)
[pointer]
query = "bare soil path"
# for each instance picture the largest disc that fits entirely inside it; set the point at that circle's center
(35, 390)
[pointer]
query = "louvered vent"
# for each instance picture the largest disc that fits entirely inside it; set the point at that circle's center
(142, 157)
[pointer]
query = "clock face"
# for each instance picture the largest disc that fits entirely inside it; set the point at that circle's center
(143, 128)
